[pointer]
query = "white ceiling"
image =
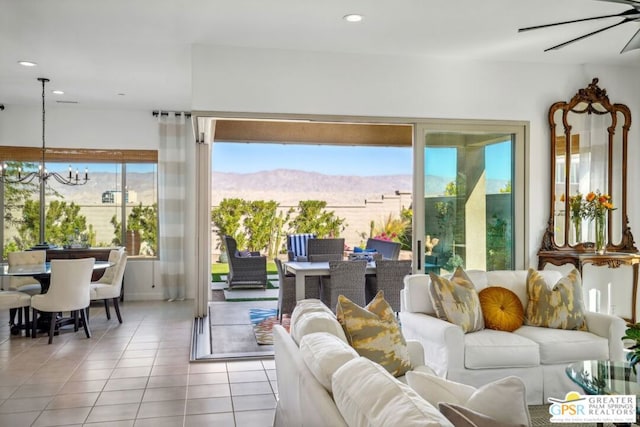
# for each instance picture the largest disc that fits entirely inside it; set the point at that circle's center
(94, 50)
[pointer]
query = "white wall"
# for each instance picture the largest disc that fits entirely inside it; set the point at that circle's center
(280, 81)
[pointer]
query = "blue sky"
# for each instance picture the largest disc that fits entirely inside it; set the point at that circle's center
(334, 160)
(326, 159)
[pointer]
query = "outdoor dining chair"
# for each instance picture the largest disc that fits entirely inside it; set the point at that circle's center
(346, 278)
(297, 246)
(387, 248)
(286, 292)
(68, 292)
(390, 279)
(332, 246)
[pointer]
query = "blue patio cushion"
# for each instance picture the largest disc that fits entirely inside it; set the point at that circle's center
(297, 244)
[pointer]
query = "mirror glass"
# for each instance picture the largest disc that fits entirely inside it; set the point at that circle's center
(588, 154)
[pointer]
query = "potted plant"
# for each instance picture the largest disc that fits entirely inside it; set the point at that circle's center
(633, 355)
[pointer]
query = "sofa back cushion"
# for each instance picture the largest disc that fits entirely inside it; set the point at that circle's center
(311, 315)
(415, 295)
(367, 395)
(324, 353)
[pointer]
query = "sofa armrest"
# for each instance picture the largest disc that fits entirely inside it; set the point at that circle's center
(610, 327)
(416, 353)
(443, 342)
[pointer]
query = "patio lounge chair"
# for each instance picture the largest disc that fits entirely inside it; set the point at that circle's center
(245, 268)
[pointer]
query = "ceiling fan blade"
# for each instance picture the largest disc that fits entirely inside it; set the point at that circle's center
(633, 3)
(588, 35)
(615, 15)
(633, 43)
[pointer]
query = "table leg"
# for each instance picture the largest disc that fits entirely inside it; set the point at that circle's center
(300, 284)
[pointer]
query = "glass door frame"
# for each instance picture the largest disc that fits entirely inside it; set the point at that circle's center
(520, 184)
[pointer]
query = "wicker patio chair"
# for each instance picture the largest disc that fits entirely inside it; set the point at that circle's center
(388, 249)
(390, 279)
(346, 278)
(325, 247)
(287, 291)
(249, 269)
(297, 246)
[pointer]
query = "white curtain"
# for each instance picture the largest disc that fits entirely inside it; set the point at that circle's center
(175, 134)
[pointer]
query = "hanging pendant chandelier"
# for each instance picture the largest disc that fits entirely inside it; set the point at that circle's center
(19, 176)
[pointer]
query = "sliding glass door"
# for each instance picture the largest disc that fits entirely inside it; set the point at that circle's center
(469, 196)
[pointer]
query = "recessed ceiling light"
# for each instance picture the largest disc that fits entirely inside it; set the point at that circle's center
(57, 92)
(27, 63)
(352, 17)
(122, 94)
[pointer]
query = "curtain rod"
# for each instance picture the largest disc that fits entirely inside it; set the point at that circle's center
(166, 113)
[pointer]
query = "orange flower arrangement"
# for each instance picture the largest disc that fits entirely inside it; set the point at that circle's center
(597, 204)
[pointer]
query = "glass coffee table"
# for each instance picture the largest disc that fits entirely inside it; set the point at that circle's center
(605, 377)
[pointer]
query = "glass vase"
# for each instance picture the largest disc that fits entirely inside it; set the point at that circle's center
(577, 229)
(601, 244)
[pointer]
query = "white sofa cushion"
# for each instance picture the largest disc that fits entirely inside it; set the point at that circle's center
(516, 280)
(416, 297)
(367, 395)
(504, 399)
(311, 316)
(498, 349)
(324, 353)
(565, 346)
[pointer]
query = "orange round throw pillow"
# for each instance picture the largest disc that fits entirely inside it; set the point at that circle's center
(501, 309)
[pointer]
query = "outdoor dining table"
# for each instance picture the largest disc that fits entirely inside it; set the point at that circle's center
(302, 270)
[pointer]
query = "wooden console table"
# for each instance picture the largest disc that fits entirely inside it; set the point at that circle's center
(609, 259)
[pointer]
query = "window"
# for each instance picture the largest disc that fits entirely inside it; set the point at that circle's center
(82, 215)
(471, 205)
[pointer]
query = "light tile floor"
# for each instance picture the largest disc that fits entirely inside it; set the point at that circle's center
(134, 374)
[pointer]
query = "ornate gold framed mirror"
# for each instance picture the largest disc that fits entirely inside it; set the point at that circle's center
(588, 155)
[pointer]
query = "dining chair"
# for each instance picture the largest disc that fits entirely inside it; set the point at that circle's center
(345, 278)
(387, 248)
(286, 292)
(68, 291)
(26, 284)
(390, 279)
(109, 286)
(297, 246)
(332, 246)
(15, 300)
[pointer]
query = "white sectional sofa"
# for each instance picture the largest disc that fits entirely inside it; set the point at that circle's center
(536, 355)
(305, 400)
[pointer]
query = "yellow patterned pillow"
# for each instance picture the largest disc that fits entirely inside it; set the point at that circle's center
(374, 333)
(456, 301)
(561, 307)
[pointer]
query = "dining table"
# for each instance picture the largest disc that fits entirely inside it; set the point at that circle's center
(42, 273)
(302, 270)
